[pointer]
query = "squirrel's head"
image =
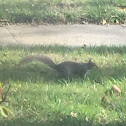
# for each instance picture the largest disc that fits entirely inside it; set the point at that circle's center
(91, 64)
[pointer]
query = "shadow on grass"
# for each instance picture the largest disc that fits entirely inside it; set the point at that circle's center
(68, 121)
(108, 72)
(34, 72)
(28, 73)
(65, 122)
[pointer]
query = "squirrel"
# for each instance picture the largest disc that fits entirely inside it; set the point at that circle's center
(66, 69)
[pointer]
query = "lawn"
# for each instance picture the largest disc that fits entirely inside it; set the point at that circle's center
(38, 98)
(63, 11)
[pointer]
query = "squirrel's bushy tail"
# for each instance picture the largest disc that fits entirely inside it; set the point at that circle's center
(39, 58)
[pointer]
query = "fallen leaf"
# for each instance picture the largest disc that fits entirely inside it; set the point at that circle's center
(116, 89)
(0, 91)
(73, 114)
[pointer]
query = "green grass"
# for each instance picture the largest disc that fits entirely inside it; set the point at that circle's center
(63, 11)
(38, 98)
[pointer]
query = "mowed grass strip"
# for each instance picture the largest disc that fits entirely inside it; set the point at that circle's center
(63, 11)
(37, 97)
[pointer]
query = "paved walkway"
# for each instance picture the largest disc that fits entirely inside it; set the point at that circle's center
(72, 35)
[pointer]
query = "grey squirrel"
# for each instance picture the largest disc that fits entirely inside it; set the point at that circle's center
(66, 69)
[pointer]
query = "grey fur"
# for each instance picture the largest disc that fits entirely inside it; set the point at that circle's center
(66, 69)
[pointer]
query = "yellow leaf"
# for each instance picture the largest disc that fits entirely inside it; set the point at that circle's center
(2, 112)
(73, 114)
(1, 84)
(8, 110)
(104, 22)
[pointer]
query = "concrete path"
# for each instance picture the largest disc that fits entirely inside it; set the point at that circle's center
(72, 35)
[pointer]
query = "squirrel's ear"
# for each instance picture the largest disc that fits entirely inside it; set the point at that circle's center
(90, 60)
